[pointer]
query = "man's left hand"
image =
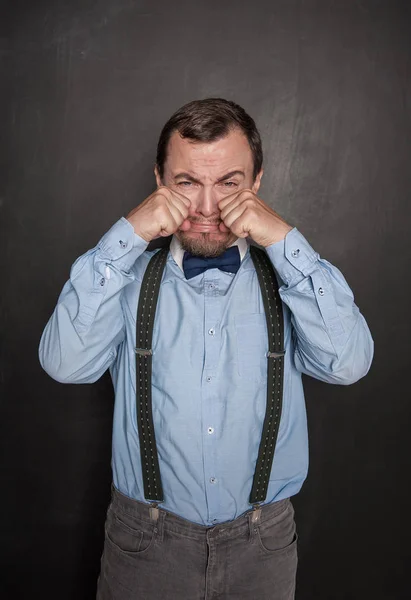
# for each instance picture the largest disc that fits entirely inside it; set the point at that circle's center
(247, 215)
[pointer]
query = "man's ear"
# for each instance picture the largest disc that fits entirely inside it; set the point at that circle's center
(157, 175)
(257, 182)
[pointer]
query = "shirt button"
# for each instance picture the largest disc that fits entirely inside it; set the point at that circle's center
(213, 480)
(210, 430)
(295, 252)
(102, 281)
(215, 520)
(321, 291)
(208, 379)
(211, 331)
(211, 286)
(122, 244)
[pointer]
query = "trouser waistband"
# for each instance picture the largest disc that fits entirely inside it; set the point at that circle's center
(171, 521)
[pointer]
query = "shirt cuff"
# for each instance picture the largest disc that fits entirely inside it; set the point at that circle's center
(122, 244)
(292, 256)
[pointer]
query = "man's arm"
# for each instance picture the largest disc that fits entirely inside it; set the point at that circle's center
(331, 337)
(332, 340)
(80, 340)
(81, 337)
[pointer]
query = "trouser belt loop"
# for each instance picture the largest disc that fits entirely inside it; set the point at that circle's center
(254, 517)
(157, 517)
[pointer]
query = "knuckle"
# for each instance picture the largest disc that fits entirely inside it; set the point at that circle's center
(159, 213)
(162, 192)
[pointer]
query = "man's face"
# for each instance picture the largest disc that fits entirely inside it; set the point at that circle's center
(206, 173)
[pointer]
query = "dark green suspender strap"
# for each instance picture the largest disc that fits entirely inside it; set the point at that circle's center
(150, 286)
(275, 370)
(147, 304)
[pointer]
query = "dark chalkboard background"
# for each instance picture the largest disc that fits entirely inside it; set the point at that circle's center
(86, 88)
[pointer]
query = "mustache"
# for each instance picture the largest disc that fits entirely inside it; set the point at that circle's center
(203, 221)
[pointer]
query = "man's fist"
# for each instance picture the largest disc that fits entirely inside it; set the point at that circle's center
(160, 215)
(247, 215)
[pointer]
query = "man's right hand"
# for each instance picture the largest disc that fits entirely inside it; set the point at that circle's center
(161, 214)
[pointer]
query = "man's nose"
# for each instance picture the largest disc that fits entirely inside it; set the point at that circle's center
(207, 202)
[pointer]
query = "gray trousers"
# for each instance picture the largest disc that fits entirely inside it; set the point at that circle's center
(174, 559)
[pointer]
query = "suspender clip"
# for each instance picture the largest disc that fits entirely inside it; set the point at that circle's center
(143, 351)
(255, 517)
(154, 512)
(275, 354)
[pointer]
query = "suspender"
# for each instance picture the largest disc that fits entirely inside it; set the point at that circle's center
(145, 321)
(275, 368)
(150, 287)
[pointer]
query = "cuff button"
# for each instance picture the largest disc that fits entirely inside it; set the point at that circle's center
(321, 291)
(295, 253)
(122, 244)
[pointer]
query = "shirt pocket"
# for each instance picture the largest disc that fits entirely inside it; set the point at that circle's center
(252, 346)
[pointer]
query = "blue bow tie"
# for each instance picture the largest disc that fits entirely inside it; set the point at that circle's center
(228, 261)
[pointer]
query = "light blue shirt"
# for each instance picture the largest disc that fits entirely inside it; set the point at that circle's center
(209, 364)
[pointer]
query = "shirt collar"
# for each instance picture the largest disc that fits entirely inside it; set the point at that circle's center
(177, 251)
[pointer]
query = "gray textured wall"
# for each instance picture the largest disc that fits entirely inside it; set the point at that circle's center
(86, 88)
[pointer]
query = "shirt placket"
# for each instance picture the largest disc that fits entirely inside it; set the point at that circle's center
(210, 416)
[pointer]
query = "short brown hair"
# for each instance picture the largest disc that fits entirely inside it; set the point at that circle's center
(207, 121)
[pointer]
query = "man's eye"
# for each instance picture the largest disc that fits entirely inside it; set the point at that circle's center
(225, 183)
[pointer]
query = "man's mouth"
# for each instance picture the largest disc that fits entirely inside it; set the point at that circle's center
(204, 227)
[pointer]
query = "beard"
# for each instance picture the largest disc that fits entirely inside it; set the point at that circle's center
(206, 244)
(203, 245)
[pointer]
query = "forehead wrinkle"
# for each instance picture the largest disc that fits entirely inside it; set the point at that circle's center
(237, 172)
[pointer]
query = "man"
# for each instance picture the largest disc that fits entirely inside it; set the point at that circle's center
(209, 434)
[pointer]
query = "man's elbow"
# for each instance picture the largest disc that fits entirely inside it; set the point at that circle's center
(55, 368)
(354, 369)
(62, 375)
(65, 371)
